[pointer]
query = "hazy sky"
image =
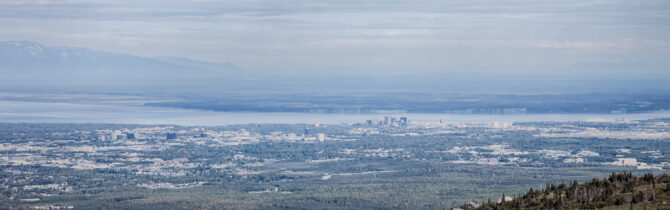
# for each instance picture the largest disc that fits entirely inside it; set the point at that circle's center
(344, 35)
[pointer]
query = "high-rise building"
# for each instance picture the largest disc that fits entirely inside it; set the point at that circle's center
(171, 136)
(496, 125)
(403, 121)
(368, 122)
(117, 135)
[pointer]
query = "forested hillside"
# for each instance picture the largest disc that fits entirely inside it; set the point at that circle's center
(619, 191)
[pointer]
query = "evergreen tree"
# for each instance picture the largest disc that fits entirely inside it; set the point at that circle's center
(653, 183)
(546, 189)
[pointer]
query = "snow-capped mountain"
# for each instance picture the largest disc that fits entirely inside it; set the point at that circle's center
(31, 61)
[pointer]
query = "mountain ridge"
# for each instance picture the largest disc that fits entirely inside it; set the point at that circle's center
(33, 61)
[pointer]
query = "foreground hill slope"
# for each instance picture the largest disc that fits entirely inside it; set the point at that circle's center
(618, 191)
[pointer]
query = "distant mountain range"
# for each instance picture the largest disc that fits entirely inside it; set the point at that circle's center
(24, 61)
(31, 63)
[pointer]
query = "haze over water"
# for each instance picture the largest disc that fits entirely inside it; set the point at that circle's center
(32, 112)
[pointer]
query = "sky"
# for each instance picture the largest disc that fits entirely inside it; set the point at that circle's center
(389, 36)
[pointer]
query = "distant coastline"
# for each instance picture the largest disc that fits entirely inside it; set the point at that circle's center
(33, 112)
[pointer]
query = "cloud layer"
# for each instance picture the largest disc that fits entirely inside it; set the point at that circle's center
(350, 36)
